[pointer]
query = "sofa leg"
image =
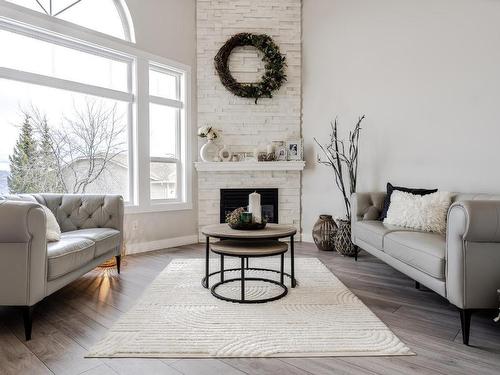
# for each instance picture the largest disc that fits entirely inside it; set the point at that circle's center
(118, 262)
(417, 285)
(465, 318)
(28, 321)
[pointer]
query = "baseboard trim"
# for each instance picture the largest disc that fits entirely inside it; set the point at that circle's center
(143, 247)
(307, 237)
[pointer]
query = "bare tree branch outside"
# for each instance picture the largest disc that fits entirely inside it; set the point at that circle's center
(75, 154)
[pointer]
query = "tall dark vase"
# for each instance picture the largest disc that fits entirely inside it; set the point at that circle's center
(343, 242)
(324, 233)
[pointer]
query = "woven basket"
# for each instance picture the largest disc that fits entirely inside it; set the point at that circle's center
(342, 240)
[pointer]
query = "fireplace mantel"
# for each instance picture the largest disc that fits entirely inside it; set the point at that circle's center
(250, 166)
(282, 175)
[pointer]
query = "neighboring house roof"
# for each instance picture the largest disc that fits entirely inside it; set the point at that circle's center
(157, 171)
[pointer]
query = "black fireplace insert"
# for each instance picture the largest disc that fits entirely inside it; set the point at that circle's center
(231, 199)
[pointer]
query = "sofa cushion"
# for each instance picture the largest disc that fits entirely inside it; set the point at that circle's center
(423, 251)
(68, 254)
(373, 231)
(390, 190)
(426, 213)
(53, 230)
(105, 239)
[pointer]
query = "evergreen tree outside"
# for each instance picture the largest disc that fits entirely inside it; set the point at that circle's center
(48, 179)
(23, 161)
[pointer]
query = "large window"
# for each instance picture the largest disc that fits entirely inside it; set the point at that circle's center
(81, 117)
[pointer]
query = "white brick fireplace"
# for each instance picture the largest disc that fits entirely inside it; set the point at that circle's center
(285, 176)
(243, 125)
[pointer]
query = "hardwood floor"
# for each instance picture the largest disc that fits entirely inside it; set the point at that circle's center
(67, 323)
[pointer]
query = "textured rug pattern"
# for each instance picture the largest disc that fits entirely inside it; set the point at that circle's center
(178, 318)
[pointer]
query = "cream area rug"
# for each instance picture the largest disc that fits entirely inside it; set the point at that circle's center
(178, 318)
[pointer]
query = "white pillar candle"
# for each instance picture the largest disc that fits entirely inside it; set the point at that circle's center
(270, 148)
(254, 207)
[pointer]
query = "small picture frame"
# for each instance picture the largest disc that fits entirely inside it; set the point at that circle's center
(294, 149)
(281, 153)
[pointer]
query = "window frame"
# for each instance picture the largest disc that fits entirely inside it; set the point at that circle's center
(121, 9)
(34, 24)
(179, 105)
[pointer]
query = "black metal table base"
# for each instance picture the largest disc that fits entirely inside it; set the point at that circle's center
(204, 279)
(243, 269)
(243, 281)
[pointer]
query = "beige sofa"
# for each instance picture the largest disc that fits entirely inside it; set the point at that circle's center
(31, 268)
(463, 266)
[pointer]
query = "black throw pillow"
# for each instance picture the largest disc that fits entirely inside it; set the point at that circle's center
(390, 189)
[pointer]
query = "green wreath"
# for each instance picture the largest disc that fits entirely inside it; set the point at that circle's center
(275, 64)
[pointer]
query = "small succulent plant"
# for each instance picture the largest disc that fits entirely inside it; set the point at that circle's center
(233, 218)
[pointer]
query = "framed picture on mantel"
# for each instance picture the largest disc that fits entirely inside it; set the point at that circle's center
(281, 153)
(294, 149)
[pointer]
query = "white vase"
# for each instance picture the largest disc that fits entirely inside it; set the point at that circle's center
(208, 151)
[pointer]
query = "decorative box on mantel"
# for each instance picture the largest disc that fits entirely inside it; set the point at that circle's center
(283, 175)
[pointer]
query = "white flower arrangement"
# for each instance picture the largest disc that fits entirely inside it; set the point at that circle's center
(207, 132)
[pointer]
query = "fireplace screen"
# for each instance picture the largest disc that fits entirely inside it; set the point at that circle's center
(231, 199)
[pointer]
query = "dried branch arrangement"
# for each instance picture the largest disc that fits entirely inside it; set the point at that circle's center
(342, 156)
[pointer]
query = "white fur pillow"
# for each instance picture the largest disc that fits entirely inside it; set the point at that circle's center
(53, 229)
(424, 212)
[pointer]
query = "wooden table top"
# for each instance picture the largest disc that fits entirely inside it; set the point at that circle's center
(250, 248)
(270, 231)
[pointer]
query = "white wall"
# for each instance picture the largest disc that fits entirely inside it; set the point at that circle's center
(426, 74)
(166, 28)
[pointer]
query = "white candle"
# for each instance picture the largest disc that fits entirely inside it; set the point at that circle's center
(270, 148)
(254, 207)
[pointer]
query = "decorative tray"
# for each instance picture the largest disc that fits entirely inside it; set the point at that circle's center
(248, 226)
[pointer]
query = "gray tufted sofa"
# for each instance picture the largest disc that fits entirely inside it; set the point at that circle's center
(31, 268)
(463, 266)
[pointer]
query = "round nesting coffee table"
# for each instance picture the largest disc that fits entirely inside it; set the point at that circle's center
(245, 250)
(270, 232)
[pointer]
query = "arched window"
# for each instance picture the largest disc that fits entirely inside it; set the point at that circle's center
(106, 16)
